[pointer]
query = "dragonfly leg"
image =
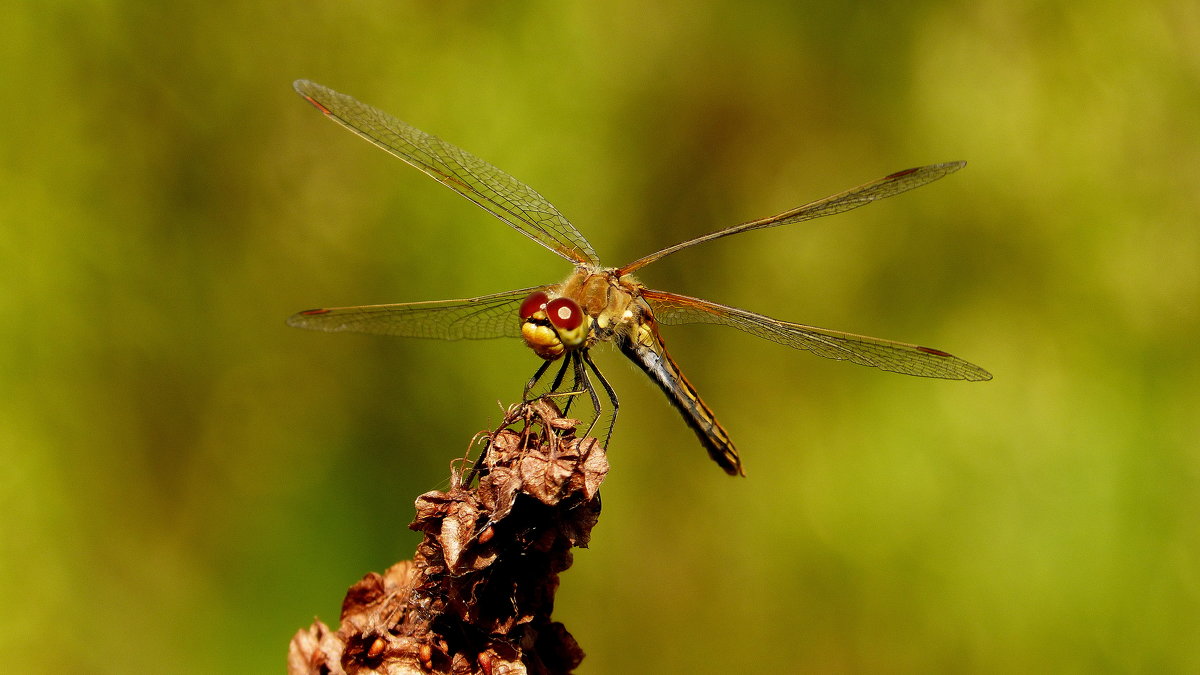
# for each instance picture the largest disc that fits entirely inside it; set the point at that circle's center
(567, 364)
(608, 391)
(584, 383)
(559, 377)
(534, 380)
(582, 359)
(562, 373)
(576, 364)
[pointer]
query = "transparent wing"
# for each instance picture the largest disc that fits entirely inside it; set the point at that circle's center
(500, 194)
(489, 316)
(888, 186)
(897, 357)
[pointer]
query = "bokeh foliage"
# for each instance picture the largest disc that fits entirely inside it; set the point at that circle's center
(186, 482)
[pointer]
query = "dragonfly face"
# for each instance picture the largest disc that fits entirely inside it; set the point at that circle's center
(585, 309)
(597, 304)
(593, 305)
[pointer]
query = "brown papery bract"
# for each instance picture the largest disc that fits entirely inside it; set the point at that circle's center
(478, 594)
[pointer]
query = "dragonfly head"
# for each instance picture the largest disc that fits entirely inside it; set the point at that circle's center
(552, 327)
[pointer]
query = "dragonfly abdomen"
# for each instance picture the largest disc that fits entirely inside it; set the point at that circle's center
(650, 354)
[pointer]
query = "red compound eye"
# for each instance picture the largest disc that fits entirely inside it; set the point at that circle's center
(564, 313)
(533, 304)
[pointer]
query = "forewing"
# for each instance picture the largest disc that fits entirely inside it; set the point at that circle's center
(896, 357)
(489, 316)
(888, 186)
(500, 194)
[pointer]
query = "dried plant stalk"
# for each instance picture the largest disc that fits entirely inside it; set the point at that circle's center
(478, 594)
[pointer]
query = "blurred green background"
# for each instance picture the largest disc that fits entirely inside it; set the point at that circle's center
(185, 481)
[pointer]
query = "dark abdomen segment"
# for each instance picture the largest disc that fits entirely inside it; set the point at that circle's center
(658, 364)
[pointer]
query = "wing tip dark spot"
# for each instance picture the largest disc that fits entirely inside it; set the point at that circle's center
(935, 352)
(901, 174)
(302, 87)
(317, 104)
(972, 373)
(298, 320)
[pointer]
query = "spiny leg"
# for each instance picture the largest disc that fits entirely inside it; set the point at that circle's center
(553, 390)
(581, 377)
(608, 390)
(573, 363)
(534, 380)
(583, 383)
(562, 373)
(567, 364)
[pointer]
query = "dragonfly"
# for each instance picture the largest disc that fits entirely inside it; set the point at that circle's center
(597, 304)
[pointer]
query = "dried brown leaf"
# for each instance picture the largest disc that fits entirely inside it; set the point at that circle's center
(478, 594)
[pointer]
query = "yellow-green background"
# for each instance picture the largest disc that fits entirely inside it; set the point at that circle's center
(185, 481)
